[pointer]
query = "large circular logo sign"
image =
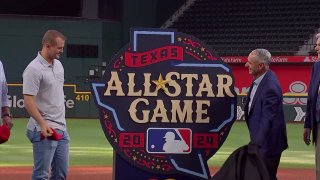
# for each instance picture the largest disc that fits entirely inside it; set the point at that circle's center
(166, 103)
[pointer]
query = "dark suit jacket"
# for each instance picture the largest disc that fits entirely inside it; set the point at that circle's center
(265, 119)
(310, 121)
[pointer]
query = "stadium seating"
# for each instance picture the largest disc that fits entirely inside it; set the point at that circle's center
(234, 28)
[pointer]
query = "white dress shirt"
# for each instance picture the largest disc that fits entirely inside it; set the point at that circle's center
(254, 89)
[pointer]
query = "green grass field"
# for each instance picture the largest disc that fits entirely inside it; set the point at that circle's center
(89, 147)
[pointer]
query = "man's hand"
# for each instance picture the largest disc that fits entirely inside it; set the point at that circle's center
(7, 121)
(306, 136)
(45, 130)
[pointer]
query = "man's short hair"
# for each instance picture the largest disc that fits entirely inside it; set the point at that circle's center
(50, 37)
(318, 35)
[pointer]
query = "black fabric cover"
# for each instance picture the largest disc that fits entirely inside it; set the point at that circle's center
(244, 163)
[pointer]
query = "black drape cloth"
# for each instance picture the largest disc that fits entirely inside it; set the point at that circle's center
(244, 163)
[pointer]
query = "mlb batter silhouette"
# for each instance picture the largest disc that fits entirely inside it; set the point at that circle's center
(172, 145)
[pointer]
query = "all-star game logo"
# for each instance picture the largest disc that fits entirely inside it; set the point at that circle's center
(166, 103)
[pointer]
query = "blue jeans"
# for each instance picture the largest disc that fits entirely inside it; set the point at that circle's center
(49, 156)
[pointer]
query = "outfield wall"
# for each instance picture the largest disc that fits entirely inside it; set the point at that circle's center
(78, 104)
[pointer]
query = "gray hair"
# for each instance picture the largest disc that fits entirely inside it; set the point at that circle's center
(263, 56)
(318, 35)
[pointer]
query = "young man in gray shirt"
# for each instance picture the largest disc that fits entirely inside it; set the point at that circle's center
(43, 81)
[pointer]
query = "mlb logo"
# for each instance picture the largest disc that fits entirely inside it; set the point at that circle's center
(169, 140)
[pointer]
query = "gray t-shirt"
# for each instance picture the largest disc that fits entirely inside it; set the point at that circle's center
(45, 82)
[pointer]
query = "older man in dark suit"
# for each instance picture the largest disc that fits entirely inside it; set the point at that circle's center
(264, 112)
(313, 109)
